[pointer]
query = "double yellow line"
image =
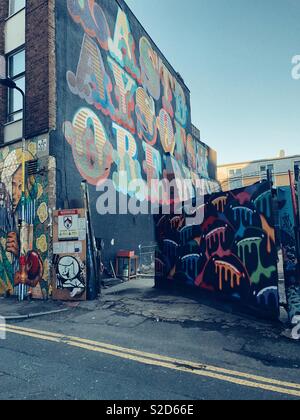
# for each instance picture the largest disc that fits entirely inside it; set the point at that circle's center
(213, 372)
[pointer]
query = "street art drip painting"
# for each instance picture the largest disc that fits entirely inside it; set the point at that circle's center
(128, 98)
(232, 253)
(35, 232)
(289, 251)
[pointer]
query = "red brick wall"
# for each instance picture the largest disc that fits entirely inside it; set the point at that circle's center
(3, 91)
(40, 66)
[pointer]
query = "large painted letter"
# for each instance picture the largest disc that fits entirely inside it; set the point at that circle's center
(181, 107)
(202, 160)
(168, 84)
(146, 119)
(191, 153)
(125, 88)
(149, 69)
(166, 131)
(180, 139)
(91, 148)
(122, 47)
(153, 169)
(91, 81)
(91, 17)
(126, 159)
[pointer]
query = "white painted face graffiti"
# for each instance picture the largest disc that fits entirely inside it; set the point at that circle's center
(70, 276)
(68, 268)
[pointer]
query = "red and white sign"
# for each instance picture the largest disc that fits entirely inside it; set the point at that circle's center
(68, 228)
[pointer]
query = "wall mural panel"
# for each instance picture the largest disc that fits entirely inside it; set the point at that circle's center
(232, 253)
(35, 234)
(121, 107)
(289, 251)
(129, 97)
(69, 270)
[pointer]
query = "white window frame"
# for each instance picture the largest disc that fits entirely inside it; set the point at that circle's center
(234, 179)
(10, 115)
(263, 174)
(294, 166)
(12, 10)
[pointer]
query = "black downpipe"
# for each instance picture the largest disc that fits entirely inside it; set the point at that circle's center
(93, 269)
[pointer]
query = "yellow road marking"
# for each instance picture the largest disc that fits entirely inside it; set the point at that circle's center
(190, 364)
(213, 372)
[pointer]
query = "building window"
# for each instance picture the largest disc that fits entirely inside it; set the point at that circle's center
(297, 170)
(264, 172)
(235, 179)
(15, 6)
(16, 71)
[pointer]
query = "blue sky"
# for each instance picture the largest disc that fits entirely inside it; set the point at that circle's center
(236, 58)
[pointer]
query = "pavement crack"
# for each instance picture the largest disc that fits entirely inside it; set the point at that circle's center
(189, 367)
(11, 375)
(267, 360)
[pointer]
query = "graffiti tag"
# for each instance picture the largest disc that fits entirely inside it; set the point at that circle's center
(296, 332)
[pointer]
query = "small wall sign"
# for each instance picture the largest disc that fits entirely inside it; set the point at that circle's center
(68, 226)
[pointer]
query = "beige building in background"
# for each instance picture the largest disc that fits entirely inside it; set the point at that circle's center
(243, 174)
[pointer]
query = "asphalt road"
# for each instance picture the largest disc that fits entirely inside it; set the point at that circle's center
(131, 358)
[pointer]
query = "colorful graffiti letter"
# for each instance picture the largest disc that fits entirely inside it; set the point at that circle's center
(149, 69)
(166, 132)
(126, 159)
(125, 88)
(180, 139)
(92, 150)
(122, 48)
(168, 84)
(91, 81)
(146, 119)
(91, 17)
(181, 108)
(153, 169)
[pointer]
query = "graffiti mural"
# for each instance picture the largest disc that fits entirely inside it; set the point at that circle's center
(288, 243)
(232, 253)
(123, 120)
(34, 233)
(129, 97)
(90, 146)
(71, 275)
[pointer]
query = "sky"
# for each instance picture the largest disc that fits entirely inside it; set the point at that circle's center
(236, 58)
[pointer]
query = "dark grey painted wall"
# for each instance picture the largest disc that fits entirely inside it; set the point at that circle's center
(72, 24)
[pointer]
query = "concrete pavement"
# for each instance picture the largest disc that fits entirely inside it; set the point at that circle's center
(140, 298)
(11, 309)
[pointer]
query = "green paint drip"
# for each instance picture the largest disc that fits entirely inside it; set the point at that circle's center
(247, 244)
(260, 270)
